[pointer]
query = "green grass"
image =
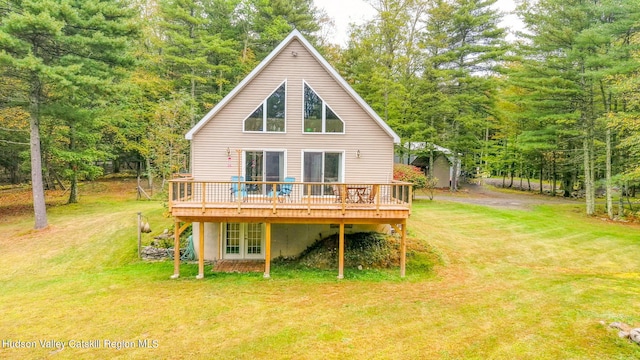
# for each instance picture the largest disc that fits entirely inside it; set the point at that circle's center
(509, 285)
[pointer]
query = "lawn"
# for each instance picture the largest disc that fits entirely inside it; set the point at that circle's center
(508, 285)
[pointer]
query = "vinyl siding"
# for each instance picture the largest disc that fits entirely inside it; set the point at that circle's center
(225, 130)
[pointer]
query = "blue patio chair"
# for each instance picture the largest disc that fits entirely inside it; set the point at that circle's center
(285, 189)
(242, 191)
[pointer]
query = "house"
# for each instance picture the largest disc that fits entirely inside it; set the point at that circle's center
(445, 163)
(292, 153)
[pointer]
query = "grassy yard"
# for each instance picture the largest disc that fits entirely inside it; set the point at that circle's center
(508, 285)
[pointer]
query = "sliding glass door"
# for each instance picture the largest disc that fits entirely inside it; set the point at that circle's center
(263, 166)
(322, 167)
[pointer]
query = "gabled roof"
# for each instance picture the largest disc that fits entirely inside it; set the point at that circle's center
(295, 34)
(423, 145)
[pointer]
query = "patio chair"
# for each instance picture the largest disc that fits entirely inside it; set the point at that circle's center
(235, 191)
(285, 189)
(336, 192)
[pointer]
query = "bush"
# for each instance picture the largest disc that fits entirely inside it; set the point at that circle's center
(410, 173)
(366, 249)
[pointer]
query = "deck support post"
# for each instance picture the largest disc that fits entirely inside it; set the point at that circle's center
(267, 251)
(176, 250)
(403, 249)
(200, 251)
(341, 252)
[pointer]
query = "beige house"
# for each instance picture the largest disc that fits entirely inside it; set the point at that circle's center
(290, 154)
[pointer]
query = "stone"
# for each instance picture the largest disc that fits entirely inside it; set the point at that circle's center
(620, 326)
(634, 335)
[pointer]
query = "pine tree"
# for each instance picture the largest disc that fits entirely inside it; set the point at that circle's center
(464, 47)
(574, 49)
(57, 48)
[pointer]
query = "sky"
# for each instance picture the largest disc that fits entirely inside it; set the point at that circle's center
(345, 12)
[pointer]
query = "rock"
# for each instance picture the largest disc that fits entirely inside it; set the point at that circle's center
(154, 253)
(164, 235)
(634, 335)
(620, 326)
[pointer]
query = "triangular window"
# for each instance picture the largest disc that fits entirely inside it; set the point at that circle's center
(270, 115)
(318, 116)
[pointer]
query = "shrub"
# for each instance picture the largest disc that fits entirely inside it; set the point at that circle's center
(366, 249)
(410, 173)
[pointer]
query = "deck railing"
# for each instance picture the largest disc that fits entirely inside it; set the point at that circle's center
(276, 194)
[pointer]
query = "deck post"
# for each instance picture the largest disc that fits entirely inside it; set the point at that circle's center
(170, 195)
(176, 250)
(267, 251)
(403, 249)
(341, 252)
(201, 251)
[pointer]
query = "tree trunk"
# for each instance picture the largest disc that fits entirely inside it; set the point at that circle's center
(608, 175)
(73, 189)
(541, 173)
(589, 192)
(149, 174)
(454, 174)
(431, 156)
(511, 171)
(553, 174)
(37, 185)
(73, 192)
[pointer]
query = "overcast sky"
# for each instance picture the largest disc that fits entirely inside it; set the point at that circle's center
(344, 12)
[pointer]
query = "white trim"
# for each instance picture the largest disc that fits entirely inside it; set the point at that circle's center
(295, 34)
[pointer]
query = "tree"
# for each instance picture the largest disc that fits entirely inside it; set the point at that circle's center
(383, 64)
(14, 129)
(574, 48)
(197, 59)
(59, 47)
(464, 46)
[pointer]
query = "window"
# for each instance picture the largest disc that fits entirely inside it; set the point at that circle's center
(322, 167)
(318, 116)
(270, 115)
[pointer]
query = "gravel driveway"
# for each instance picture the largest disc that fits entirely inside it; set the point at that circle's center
(489, 196)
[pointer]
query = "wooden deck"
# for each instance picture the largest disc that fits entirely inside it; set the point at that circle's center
(303, 202)
(288, 202)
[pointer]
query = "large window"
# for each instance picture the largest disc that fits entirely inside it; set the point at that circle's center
(270, 115)
(318, 116)
(322, 167)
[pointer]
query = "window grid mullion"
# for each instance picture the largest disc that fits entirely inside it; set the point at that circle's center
(264, 115)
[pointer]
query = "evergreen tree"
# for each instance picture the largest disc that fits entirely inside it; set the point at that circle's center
(59, 47)
(464, 47)
(574, 48)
